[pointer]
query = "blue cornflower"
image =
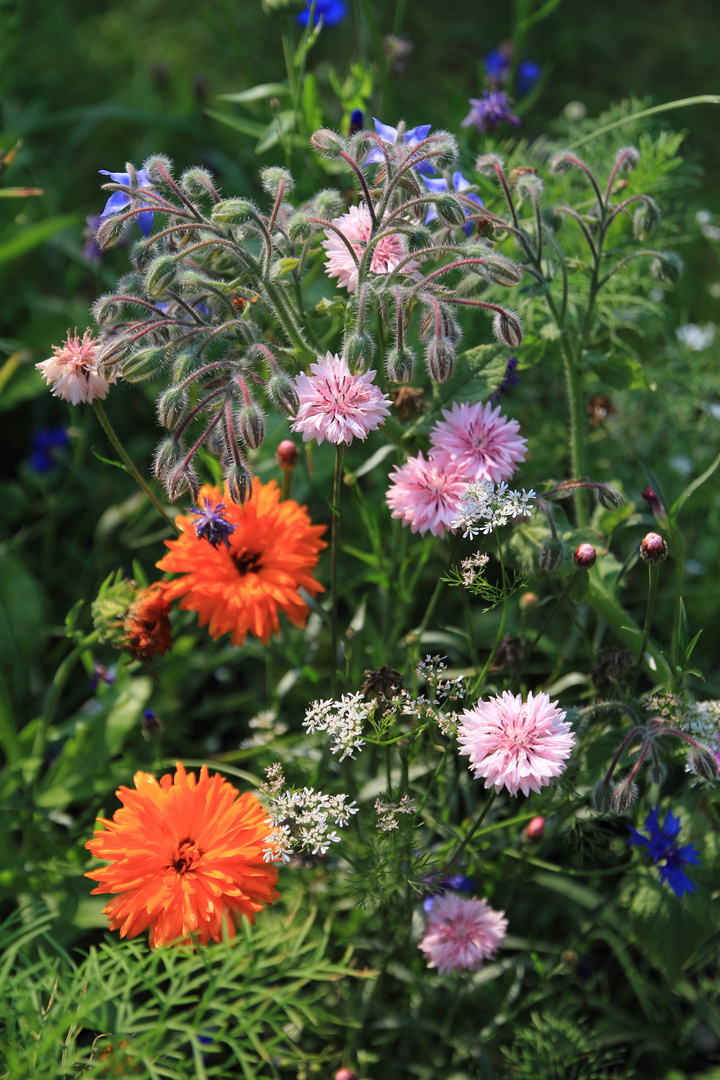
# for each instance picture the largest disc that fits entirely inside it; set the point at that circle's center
(459, 185)
(510, 378)
(331, 11)
(212, 525)
(407, 140)
(120, 199)
(487, 112)
(661, 846)
(45, 443)
(356, 121)
(497, 65)
(456, 883)
(527, 75)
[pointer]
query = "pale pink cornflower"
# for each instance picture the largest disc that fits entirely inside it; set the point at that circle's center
(516, 744)
(73, 370)
(461, 933)
(337, 405)
(478, 441)
(356, 226)
(425, 496)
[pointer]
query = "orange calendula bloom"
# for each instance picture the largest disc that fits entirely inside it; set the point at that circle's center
(186, 857)
(240, 588)
(146, 625)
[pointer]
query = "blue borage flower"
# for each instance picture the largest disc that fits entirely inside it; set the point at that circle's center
(489, 111)
(662, 848)
(212, 525)
(459, 186)
(120, 199)
(510, 379)
(498, 65)
(455, 883)
(43, 449)
(331, 12)
(528, 73)
(407, 140)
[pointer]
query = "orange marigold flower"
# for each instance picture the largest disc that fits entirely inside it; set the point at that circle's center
(185, 856)
(240, 588)
(146, 625)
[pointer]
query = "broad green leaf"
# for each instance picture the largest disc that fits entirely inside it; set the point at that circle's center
(32, 236)
(238, 123)
(621, 372)
(19, 381)
(692, 487)
(257, 93)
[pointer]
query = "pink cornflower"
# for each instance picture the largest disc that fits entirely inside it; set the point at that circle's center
(74, 369)
(337, 405)
(356, 226)
(425, 496)
(515, 744)
(461, 933)
(478, 441)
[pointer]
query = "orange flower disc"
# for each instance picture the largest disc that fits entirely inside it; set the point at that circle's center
(185, 856)
(240, 588)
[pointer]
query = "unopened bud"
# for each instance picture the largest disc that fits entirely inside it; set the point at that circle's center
(239, 482)
(488, 164)
(328, 143)
(646, 219)
(110, 231)
(703, 762)
(345, 1074)
(179, 480)
(552, 555)
(601, 797)
(627, 159)
(251, 426)
(501, 271)
(653, 548)
(300, 227)
(184, 364)
(584, 556)
(560, 162)
(171, 406)
(275, 177)
(399, 365)
(106, 309)
(282, 393)
(608, 497)
(527, 601)
(667, 267)
(359, 350)
(287, 455)
(444, 150)
(439, 360)
(535, 828)
(167, 457)
(449, 209)
(160, 275)
(327, 203)
(143, 364)
(197, 183)
(657, 770)
(624, 796)
(153, 167)
(233, 212)
(418, 238)
(507, 328)
(484, 227)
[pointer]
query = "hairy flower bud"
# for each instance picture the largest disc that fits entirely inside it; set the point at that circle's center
(500, 271)
(439, 360)
(552, 555)
(627, 159)
(646, 219)
(703, 762)
(444, 150)
(160, 275)
(171, 406)
(110, 230)
(624, 796)
(601, 797)
(184, 363)
(418, 237)
(287, 455)
(449, 209)
(251, 426)
(653, 549)
(328, 203)
(153, 167)
(359, 350)
(608, 497)
(399, 365)
(657, 770)
(197, 183)
(144, 364)
(233, 212)
(560, 162)
(239, 481)
(488, 164)
(508, 328)
(300, 227)
(106, 309)
(110, 607)
(584, 556)
(282, 393)
(535, 828)
(328, 143)
(180, 479)
(274, 178)
(167, 457)
(667, 267)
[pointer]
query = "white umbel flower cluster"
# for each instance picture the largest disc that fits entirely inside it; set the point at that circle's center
(302, 820)
(486, 507)
(343, 720)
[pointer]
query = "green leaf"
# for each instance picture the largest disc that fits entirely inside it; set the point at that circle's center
(621, 372)
(681, 103)
(238, 123)
(257, 93)
(32, 236)
(19, 381)
(692, 488)
(279, 128)
(312, 112)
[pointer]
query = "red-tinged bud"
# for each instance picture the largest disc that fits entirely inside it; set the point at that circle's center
(239, 482)
(251, 425)
(602, 797)
(527, 601)
(584, 556)
(345, 1074)
(703, 762)
(508, 328)
(287, 455)
(653, 549)
(439, 360)
(624, 796)
(328, 143)
(535, 828)
(399, 365)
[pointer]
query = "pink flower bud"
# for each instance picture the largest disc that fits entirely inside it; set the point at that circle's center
(287, 455)
(535, 828)
(653, 548)
(345, 1074)
(584, 556)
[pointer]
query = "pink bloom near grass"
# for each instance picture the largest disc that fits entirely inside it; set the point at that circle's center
(337, 405)
(424, 496)
(461, 933)
(514, 744)
(73, 370)
(356, 226)
(478, 441)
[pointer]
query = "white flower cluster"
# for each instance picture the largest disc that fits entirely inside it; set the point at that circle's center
(487, 506)
(473, 566)
(266, 726)
(442, 693)
(343, 720)
(303, 820)
(387, 812)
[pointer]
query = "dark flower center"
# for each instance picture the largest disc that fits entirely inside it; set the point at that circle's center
(247, 562)
(188, 856)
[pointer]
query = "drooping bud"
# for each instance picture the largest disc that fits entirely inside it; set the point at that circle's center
(646, 219)
(626, 159)
(584, 556)
(624, 796)
(418, 238)
(111, 606)
(300, 227)
(560, 162)
(327, 203)
(399, 365)
(488, 164)
(110, 230)
(185, 362)
(667, 267)
(552, 555)
(328, 143)
(608, 497)
(167, 457)
(180, 479)
(287, 455)
(653, 549)
(144, 364)
(282, 393)
(238, 481)
(275, 177)
(153, 166)
(703, 762)
(500, 271)
(233, 212)
(160, 275)
(657, 770)
(449, 209)
(171, 406)
(439, 360)
(484, 227)
(601, 797)
(444, 150)
(106, 309)
(508, 328)
(655, 504)
(251, 425)
(197, 183)
(359, 350)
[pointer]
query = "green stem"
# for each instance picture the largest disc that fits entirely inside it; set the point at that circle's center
(501, 629)
(654, 574)
(118, 446)
(455, 855)
(334, 533)
(553, 611)
(578, 467)
(53, 698)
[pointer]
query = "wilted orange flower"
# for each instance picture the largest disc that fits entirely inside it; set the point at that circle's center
(240, 588)
(185, 856)
(146, 625)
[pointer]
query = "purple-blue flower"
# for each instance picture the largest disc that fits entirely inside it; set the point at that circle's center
(497, 64)
(489, 111)
(510, 378)
(331, 11)
(456, 883)
(666, 854)
(459, 186)
(528, 73)
(45, 444)
(212, 525)
(120, 199)
(407, 141)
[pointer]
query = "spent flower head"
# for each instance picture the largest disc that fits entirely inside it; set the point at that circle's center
(74, 369)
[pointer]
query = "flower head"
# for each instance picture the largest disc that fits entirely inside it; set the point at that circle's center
(459, 186)
(425, 496)
(330, 11)
(120, 199)
(489, 111)
(212, 524)
(510, 379)
(663, 850)
(45, 444)
(356, 227)
(241, 588)
(337, 405)
(461, 933)
(478, 442)
(486, 506)
(528, 73)
(515, 744)
(186, 857)
(73, 371)
(146, 626)
(403, 139)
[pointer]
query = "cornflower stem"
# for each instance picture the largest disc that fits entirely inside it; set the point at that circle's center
(469, 628)
(503, 619)
(334, 534)
(455, 855)
(433, 781)
(553, 611)
(653, 576)
(679, 555)
(118, 446)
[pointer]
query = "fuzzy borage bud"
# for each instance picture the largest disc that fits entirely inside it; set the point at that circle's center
(300, 227)
(110, 231)
(702, 762)
(444, 150)
(488, 164)
(358, 350)
(160, 275)
(171, 406)
(275, 178)
(400, 364)
(198, 183)
(552, 555)
(167, 457)
(601, 797)
(144, 364)
(501, 271)
(239, 482)
(251, 426)
(418, 238)
(155, 166)
(282, 393)
(646, 220)
(327, 204)
(440, 360)
(624, 796)
(449, 210)
(233, 212)
(508, 328)
(328, 143)
(667, 267)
